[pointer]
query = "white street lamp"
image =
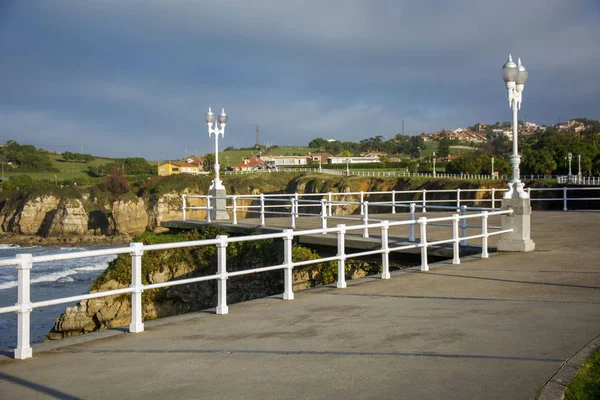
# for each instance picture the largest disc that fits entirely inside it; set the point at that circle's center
(492, 167)
(434, 163)
(219, 129)
(579, 173)
(570, 157)
(347, 168)
(515, 77)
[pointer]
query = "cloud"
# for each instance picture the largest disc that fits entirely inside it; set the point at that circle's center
(140, 75)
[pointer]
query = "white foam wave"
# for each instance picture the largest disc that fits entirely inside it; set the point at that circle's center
(9, 246)
(95, 267)
(53, 277)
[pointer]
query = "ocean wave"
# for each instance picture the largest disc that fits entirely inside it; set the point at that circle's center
(53, 277)
(95, 267)
(9, 246)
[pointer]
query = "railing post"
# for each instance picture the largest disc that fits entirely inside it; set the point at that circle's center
(183, 215)
(362, 204)
(424, 201)
(136, 325)
(493, 197)
(455, 242)
(385, 255)
(234, 209)
(262, 209)
(463, 225)
(341, 248)
(222, 272)
(411, 237)
(393, 202)
(484, 232)
(423, 244)
(296, 201)
(329, 202)
(293, 212)
(288, 293)
(23, 349)
(323, 215)
(457, 198)
(208, 209)
(365, 219)
(564, 199)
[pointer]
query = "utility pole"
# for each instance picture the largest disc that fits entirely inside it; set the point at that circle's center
(257, 141)
(402, 127)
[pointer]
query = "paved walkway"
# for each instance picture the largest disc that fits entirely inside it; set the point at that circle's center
(485, 329)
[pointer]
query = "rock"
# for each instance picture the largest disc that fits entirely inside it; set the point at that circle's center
(36, 215)
(129, 216)
(70, 219)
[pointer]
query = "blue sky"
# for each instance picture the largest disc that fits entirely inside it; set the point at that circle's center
(123, 78)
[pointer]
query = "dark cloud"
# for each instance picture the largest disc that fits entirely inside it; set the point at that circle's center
(123, 78)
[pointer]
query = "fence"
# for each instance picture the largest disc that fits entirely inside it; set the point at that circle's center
(25, 262)
(291, 204)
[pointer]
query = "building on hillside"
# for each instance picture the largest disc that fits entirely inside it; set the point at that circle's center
(425, 136)
(571, 126)
(319, 157)
(199, 161)
(286, 161)
(251, 163)
(353, 160)
(377, 154)
(178, 167)
(466, 135)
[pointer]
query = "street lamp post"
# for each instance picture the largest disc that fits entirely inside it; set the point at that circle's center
(570, 157)
(515, 77)
(347, 168)
(518, 223)
(216, 189)
(579, 173)
(433, 163)
(492, 167)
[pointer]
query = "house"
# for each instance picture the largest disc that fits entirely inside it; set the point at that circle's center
(287, 161)
(353, 160)
(377, 154)
(426, 137)
(178, 167)
(252, 163)
(320, 158)
(466, 135)
(196, 160)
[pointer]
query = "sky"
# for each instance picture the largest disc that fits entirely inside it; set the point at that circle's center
(136, 77)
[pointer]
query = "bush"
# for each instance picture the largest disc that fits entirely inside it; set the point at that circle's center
(18, 182)
(115, 183)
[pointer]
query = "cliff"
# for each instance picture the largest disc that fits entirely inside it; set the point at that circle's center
(88, 215)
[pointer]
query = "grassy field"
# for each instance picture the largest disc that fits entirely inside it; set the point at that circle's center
(67, 170)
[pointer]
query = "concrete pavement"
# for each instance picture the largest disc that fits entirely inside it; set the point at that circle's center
(495, 328)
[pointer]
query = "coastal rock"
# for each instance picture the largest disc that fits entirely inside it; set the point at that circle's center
(166, 208)
(70, 219)
(129, 216)
(36, 215)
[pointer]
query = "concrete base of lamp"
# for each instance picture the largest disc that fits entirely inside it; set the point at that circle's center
(520, 222)
(218, 210)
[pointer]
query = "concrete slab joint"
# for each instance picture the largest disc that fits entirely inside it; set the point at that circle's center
(520, 222)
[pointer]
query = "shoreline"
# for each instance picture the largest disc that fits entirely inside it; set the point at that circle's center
(63, 241)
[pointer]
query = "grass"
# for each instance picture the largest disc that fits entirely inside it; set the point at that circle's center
(586, 383)
(67, 170)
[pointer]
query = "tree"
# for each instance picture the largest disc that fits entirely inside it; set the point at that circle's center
(443, 149)
(208, 162)
(115, 183)
(318, 143)
(371, 144)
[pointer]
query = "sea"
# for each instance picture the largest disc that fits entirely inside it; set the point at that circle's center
(49, 280)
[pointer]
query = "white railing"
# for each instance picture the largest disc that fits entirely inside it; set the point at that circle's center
(264, 205)
(25, 262)
(579, 180)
